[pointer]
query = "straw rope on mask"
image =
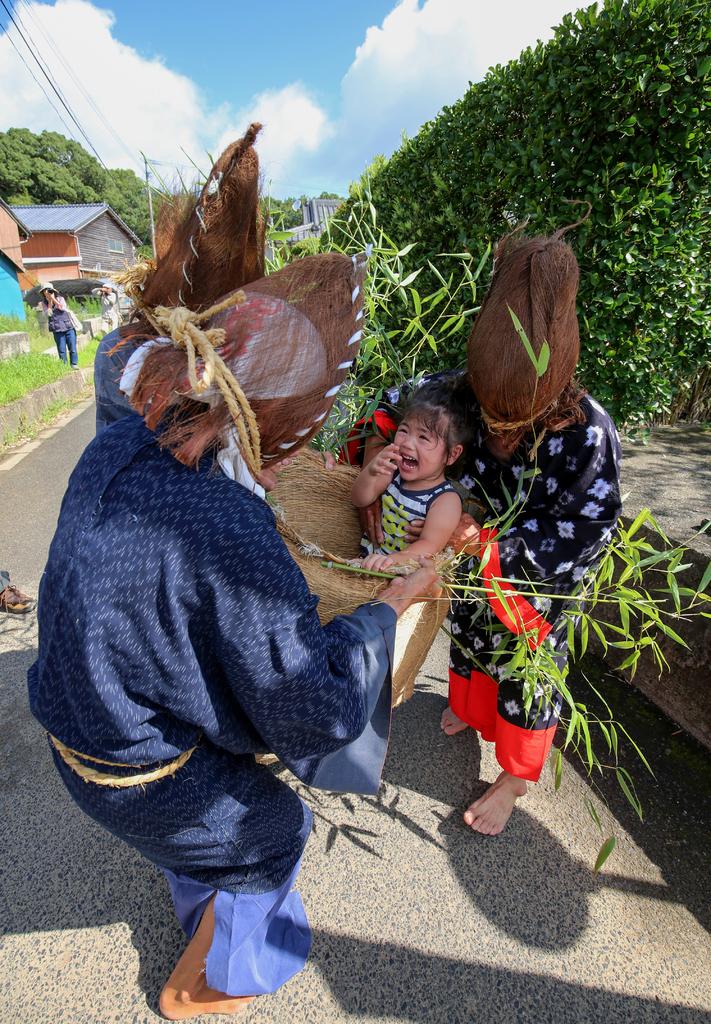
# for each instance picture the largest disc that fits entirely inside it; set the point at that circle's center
(266, 356)
(276, 353)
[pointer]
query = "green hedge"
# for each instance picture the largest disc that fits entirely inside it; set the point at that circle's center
(612, 111)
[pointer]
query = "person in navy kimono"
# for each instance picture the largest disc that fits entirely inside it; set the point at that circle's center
(192, 641)
(543, 468)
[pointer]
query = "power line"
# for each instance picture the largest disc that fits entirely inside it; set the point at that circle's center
(39, 84)
(54, 87)
(67, 67)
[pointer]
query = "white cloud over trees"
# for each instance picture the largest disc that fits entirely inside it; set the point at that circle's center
(422, 56)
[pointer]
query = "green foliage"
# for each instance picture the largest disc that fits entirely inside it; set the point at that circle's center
(48, 168)
(612, 111)
(636, 578)
(21, 374)
(306, 247)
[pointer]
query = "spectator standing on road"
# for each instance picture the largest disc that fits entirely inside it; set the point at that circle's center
(109, 306)
(59, 321)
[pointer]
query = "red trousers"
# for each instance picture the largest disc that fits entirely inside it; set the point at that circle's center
(521, 750)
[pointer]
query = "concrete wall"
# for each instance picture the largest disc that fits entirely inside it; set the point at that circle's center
(15, 343)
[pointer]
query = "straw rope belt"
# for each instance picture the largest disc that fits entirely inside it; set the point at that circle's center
(74, 759)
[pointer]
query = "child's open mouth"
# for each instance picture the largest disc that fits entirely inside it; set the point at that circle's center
(408, 463)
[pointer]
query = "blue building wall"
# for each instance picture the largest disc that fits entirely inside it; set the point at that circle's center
(10, 294)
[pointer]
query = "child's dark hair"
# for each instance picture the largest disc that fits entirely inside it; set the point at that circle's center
(443, 406)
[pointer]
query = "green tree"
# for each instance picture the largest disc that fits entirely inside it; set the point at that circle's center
(48, 168)
(612, 111)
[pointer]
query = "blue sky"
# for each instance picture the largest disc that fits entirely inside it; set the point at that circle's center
(249, 47)
(334, 83)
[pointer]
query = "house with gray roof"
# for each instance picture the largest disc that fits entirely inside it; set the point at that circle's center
(315, 214)
(72, 241)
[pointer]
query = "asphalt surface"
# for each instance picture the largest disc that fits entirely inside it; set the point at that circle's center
(415, 918)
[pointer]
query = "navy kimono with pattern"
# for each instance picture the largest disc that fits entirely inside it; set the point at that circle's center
(567, 502)
(171, 614)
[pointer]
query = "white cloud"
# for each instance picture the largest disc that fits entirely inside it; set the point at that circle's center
(294, 125)
(422, 56)
(150, 107)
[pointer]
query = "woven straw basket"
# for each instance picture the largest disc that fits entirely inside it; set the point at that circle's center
(317, 510)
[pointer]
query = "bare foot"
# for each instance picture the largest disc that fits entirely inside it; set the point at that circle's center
(186, 993)
(490, 812)
(450, 724)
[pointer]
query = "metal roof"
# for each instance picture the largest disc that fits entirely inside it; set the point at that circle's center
(72, 217)
(319, 211)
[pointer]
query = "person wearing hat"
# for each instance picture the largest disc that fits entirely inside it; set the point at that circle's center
(544, 466)
(109, 305)
(59, 322)
(157, 697)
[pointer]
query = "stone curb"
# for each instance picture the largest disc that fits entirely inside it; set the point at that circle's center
(24, 411)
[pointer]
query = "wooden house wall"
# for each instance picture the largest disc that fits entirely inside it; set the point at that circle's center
(94, 245)
(52, 244)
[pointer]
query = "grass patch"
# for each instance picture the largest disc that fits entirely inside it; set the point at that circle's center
(28, 431)
(22, 374)
(87, 354)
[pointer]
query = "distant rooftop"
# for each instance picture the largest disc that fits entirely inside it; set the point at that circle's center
(71, 217)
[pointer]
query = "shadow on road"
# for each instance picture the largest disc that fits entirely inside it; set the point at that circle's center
(675, 831)
(408, 985)
(61, 871)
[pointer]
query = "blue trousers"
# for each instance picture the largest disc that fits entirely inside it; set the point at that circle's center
(67, 340)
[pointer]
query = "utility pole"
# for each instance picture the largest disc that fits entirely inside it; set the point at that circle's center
(150, 205)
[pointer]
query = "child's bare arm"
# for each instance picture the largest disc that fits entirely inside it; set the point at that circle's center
(441, 520)
(374, 478)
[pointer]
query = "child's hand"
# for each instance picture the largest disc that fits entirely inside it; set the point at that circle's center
(377, 562)
(386, 462)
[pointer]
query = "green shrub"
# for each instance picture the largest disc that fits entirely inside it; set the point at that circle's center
(306, 247)
(611, 111)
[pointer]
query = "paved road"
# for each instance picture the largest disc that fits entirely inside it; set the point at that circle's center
(415, 919)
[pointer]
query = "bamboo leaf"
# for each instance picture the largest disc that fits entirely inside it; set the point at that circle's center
(557, 769)
(588, 746)
(518, 326)
(670, 632)
(613, 737)
(592, 811)
(705, 579)
(639, 520)
(410, 278)
(627, 786)
(600, 635)
(543, 359)
(605, 850)
(583, 635)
